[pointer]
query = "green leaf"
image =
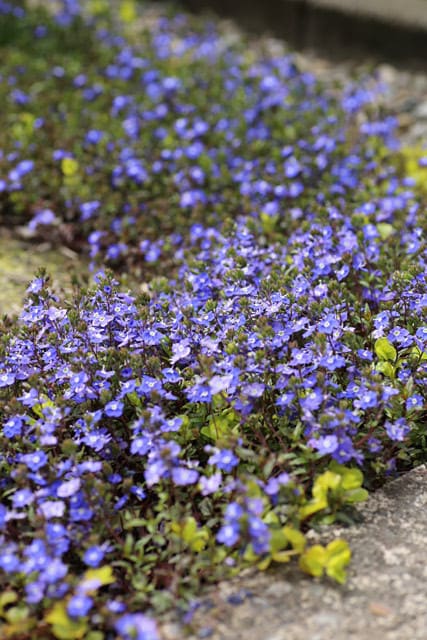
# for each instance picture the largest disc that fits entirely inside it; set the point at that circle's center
(356, 495)
(222, 426)
(418, 354)
(268, 223)
(278, 540)
(271, 518)
(385, 350)
(196, 538)
(134, 399)
(135, 522)
(385, 230)
(17, 614)
(95, 635)
(250, 555)
(386, 368)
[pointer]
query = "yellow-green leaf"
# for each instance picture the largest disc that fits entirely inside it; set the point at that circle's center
(97, 7)
(312, 507)
(196, 538)
(63, 627)
(6, 598)
(278, 540)
(283, 556)
(58, 614)
(69, 166)
(385, 350)
(327, 480)
(38, 408)
(313, 560)
(72, 631)
(189, 529)
(127, 10)
(264, 564)
(352, 479)
(200, 541)
(356, 495)
(104, 575)
(338, 556)
(296, 538)
(412, 156)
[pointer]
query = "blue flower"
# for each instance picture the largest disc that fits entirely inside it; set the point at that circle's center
(182, 476)
(12, 428)
(9, 562)
(114, 409)
(397, 430)
(79, 606)
(68, 488)
(136, 626)
(6, 379)
(366, 399)
(199, 393)
(55, 570)
(224, 459)
(228, 534)
(415, 401)
(325, 444)
(180, 351)
(35, 460)
(93, 556)
(22, 498)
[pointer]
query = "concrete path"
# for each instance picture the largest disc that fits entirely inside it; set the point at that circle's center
(412, 13)
(390, 29)
(385, 597)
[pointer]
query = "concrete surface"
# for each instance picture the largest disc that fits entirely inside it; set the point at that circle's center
(407, 12)
(391, 29)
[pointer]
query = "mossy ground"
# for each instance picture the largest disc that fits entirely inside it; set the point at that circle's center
(19, 260)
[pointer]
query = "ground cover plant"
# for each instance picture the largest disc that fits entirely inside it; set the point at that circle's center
(277, 356)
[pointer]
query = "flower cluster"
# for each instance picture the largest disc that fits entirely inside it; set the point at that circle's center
(120, 147)
(150, 442)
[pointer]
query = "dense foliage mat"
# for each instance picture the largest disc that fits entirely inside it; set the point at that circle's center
(278, 355)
